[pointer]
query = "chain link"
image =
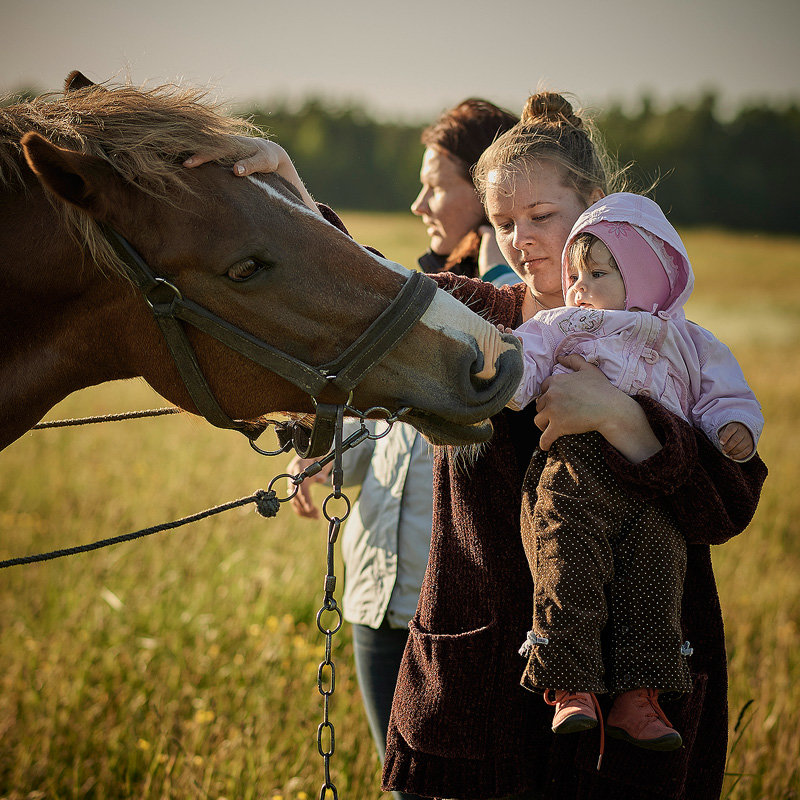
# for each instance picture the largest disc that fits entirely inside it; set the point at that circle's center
(326, 671)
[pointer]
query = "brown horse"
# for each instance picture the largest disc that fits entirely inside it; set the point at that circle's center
(246, 249)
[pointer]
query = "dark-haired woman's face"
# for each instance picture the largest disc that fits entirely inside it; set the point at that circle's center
(448, 203)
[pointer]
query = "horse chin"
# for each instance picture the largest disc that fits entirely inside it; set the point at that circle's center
(439, 431)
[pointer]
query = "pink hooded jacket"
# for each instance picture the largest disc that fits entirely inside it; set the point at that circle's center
(657, 352)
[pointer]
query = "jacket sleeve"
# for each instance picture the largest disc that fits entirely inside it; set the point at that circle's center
(499, 305)
(711, 497)
(724, 393)
(356, 460)
(538, 346)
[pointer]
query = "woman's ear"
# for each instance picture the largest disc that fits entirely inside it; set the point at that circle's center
(597, 194)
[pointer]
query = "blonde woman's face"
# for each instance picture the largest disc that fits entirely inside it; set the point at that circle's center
(447, 203)
(532, 213)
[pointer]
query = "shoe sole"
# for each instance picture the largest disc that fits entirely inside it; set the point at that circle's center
(672, 741)
(575, 724)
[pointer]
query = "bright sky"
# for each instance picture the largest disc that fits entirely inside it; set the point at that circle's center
(411, 59)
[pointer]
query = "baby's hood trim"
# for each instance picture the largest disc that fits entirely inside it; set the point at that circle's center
(649, 220)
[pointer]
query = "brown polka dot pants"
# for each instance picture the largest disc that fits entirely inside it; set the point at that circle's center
(608, 573)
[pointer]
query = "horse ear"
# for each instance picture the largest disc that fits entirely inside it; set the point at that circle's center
(83, 180)
(77, 80)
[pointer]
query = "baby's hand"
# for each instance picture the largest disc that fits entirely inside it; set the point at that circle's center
(736, 441)
(503, 329)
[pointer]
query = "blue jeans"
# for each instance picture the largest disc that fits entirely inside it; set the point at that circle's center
(378, 654)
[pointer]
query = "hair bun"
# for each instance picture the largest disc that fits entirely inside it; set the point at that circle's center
(552, 108)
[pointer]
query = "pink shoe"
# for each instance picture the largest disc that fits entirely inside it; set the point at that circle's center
(637, 718)
(575, 711)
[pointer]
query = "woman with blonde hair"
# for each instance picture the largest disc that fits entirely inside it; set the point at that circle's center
(462, 724)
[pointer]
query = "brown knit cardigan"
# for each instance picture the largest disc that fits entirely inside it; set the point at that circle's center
(462, 726)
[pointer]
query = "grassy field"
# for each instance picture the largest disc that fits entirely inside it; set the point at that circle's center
(184, 665)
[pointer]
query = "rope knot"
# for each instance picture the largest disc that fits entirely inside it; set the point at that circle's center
(267, 503)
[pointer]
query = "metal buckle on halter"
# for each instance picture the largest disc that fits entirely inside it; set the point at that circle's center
(162, 306)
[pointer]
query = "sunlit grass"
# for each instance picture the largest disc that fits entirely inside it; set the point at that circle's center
(185, 665)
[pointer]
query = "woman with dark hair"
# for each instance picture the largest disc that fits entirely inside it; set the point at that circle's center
(448, 203)
(386, 541)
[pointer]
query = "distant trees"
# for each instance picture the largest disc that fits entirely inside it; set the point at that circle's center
(346, 158)
(741, 172)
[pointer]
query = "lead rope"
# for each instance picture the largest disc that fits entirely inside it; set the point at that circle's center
(125, 415)
(267, 504)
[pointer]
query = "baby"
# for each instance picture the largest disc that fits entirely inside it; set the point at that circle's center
(605, 563)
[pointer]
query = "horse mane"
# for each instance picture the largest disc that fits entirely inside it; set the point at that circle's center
(144, 134)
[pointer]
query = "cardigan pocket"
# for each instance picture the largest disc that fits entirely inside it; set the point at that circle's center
(662, 774)
(442, 705)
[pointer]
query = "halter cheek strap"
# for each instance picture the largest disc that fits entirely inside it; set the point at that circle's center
(171, 309)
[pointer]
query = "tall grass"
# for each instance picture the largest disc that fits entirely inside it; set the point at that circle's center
(185, 665)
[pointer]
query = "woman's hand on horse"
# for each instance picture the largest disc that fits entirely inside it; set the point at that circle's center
(267, 156)
(585, 400)
(302, 502)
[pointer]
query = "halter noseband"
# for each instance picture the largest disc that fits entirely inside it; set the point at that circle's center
(344, 373)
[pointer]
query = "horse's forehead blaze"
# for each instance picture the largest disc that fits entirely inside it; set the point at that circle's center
(328, 227)
(262, 183)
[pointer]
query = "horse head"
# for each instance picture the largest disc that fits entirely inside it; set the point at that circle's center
(246, 249)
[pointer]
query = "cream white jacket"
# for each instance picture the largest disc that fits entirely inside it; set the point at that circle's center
(386, 540)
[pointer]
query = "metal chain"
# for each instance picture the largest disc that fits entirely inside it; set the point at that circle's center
(329, 606)
(326, 672)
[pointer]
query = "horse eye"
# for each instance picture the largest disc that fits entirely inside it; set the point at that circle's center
(245, 269)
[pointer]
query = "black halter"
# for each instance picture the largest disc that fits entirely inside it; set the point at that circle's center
(344, 373)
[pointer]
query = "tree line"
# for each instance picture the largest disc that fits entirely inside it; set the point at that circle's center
(735, 172)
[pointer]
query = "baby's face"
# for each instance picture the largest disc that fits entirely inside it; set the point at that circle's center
(598, 283)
